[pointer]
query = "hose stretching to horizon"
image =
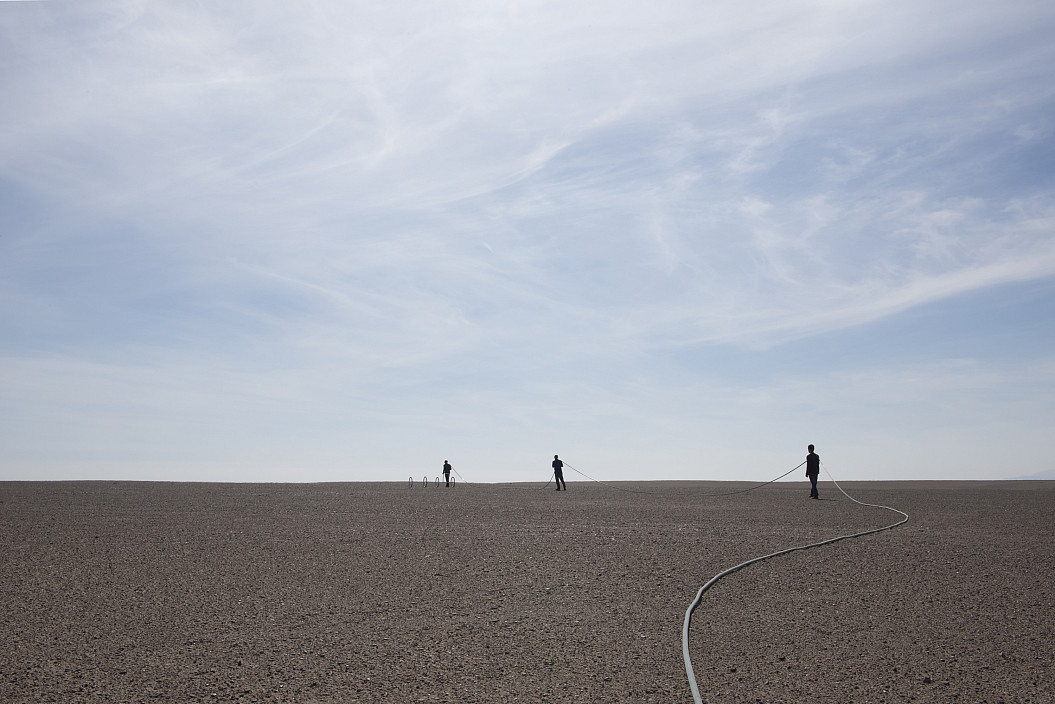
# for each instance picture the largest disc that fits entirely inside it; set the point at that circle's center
(724, 493)
(624, 489)
(502, 486)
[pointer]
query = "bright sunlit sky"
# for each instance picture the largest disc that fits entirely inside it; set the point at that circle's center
(342, 240)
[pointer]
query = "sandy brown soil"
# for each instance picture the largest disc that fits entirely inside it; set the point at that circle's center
(327, 593)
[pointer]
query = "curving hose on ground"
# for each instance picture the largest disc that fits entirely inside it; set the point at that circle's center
(696, 602)
(690, 674)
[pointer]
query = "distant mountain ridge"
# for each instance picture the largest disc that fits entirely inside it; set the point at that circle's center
(1046, 474)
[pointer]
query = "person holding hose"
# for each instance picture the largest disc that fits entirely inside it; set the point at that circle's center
(813, 469)
(558, 473)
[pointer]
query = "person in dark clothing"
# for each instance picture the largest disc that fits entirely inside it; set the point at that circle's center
(447, 472)
(558, 473)
(813, 469)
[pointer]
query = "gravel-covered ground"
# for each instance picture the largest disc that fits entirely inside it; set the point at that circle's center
(333, 593)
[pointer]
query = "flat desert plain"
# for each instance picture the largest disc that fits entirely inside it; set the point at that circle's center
(335, 593)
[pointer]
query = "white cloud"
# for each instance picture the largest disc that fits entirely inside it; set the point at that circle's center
(498, 202)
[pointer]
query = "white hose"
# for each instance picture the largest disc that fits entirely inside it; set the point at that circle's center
(699, 595)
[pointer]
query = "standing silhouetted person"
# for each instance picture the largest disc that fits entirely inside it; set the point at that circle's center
(558, 473)
(813, 469)
(447, 472)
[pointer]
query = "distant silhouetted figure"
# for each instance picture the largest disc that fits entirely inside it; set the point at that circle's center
(558, 473)
(447, 472)
(813, 469)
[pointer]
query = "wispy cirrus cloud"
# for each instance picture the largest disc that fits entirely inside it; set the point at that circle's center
(496, 201)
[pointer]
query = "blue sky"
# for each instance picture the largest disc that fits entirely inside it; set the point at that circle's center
(328, 241)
